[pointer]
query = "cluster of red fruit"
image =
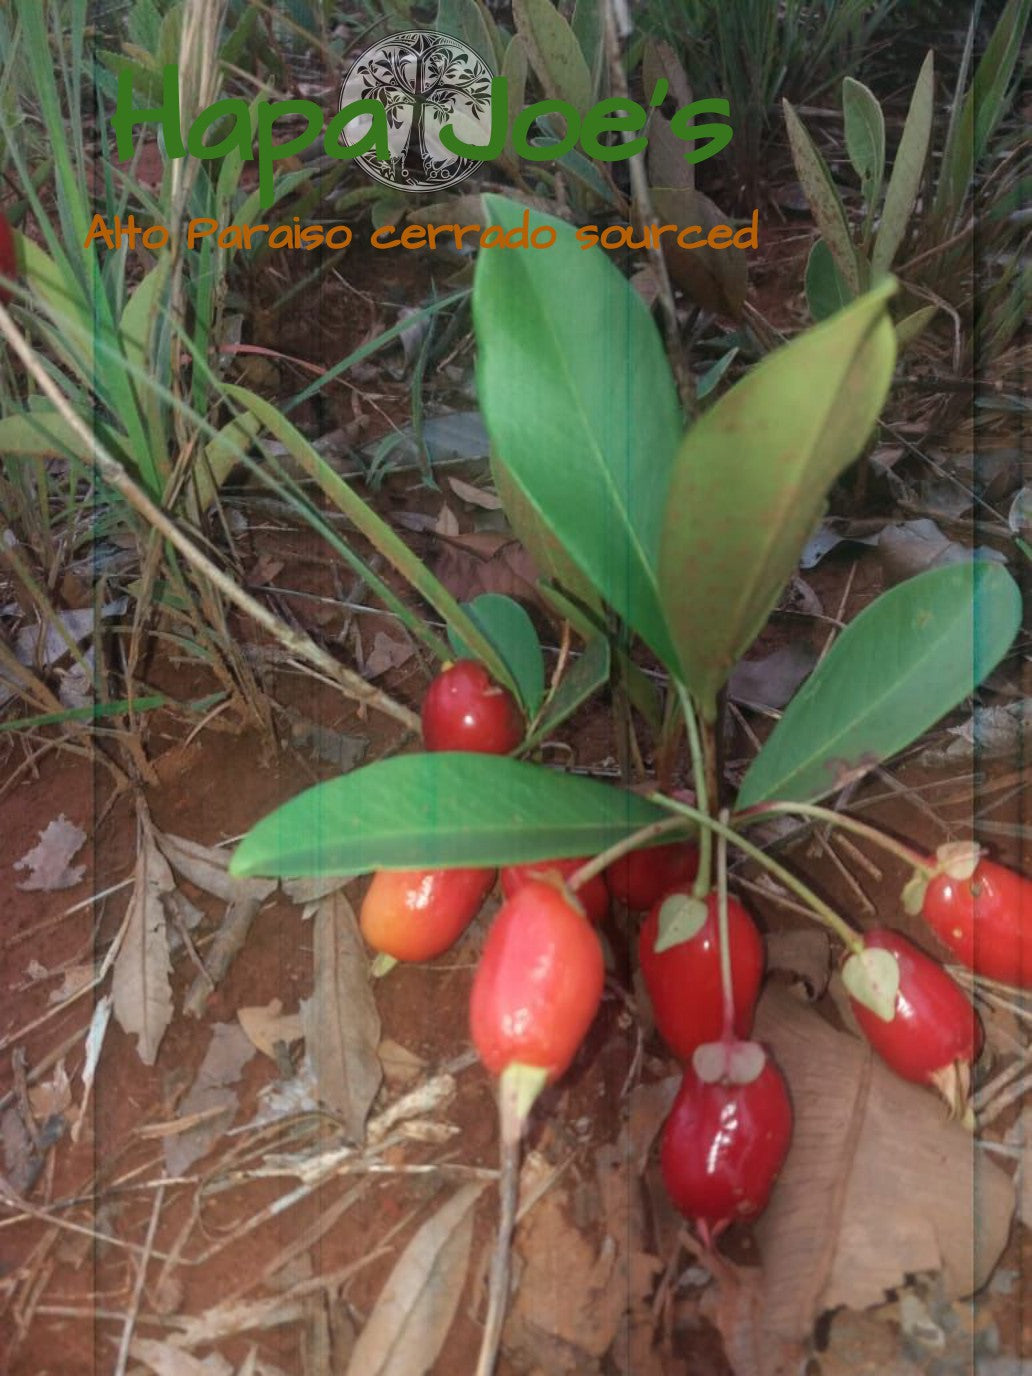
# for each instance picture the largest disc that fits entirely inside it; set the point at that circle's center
(540, 979)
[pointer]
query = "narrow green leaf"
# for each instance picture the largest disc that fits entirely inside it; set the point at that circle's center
(589, 27)
(376, 530)
(750, 480)
(510, 630)
(865, 136)
(554, 52)
(826, 289)
(446, 809)
(580, 404)
(907, 169)
(585, 676)
(514, 69)
(905, 661)
(222, 454)
(913, 325)
(824, 199)
(39, 433)
(713, 374)
(468, 22)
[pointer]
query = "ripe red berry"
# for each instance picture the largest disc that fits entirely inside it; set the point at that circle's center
(642, 877)
(8, 257)
(464, 709)
(418, 914)
(538, 984)
(723, 1146)
(592, 896)
(985, 917)
(934, 1034)
(683, 981)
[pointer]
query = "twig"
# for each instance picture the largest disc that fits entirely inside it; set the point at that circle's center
(141, 1273)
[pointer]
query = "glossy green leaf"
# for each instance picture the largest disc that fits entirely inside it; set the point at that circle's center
(750, 481)
(826, 288)
(824, 199)
(510, 630)
(907, 170)
(554, 52)
(865, 136)
(446, 809)
(905, 661)
(580, 404)
(585, 676)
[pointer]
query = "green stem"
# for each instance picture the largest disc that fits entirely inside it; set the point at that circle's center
(837, 819)
(724, 936)
(635, 841)
(830, 918)
(702, 798)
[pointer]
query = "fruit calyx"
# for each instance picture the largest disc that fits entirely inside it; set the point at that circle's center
(681, 917)
(956, 859)
(729, 1062)
(518, 1088)
(871, 976)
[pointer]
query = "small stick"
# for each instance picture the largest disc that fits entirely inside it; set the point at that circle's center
(141, 1272)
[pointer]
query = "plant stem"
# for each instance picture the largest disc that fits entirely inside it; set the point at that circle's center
(703, 795)
(828, 916)
(724, 936)
(635, 841)
(838, 819)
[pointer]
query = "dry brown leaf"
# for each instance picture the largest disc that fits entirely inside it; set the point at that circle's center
(417, 1304)
(804, 953)
(74, 979)
(53, 1095)
(50, 860)
(387, 653)
(877, 1185)
(476, 496)
(228, 1052)
(486, 561)
(340, 1021)
(400, 1065)
(269, 1025)
(207, 867)
(140, 982)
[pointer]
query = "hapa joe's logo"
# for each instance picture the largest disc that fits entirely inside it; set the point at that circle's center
(424, 81)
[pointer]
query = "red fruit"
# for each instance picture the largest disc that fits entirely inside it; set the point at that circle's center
(684, 980)
(8, 257)
(934, 1029)
(464, 709)
(418, 914)
(592, 896)
(538, 984)
(642, 877)
(985, 918)
(723, 1146)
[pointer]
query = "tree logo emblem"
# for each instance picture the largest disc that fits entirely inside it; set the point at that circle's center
(423, 80)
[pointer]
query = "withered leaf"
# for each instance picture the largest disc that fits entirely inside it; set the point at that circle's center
(207, 867)
(140, 982)
(410, 1320)
(265, 1026)
(228, 1052)
(340, 1021)
(50, 860)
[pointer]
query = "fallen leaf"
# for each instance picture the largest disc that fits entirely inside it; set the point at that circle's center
(91, 1056)
(912, 547)
(400, 1066)
(207, 867)
(414, 1311)
(877, 1185)
(53, 1095)
(387, 653)
(803, 953)
(773, 680)
(340, 1021)
(140, 982)
(75, 978)
(486, 561)
(476, 496)
(269, 1025)
(50, 860)
(228, 1052)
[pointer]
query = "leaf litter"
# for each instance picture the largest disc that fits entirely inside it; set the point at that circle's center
(50, 862)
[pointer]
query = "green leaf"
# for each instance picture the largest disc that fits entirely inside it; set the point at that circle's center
(589, 28)
(510, 630)
(824, 199)
(588, 672)
(711, 377)
(580, 405)
(913, 325)
(826, 288)
(865, 136)
(905, 661)
(447, 809)
(514, 69)
(39, 433)
(554, 52)
(750, 480)
(467, 21)
(907, 169)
